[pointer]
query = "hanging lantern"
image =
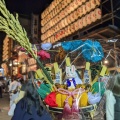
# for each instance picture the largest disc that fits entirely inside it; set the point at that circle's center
(88, 6)
(76, 25)
(88, 16)
(84, 9)
(80, 22)
(98, 13)
(93, 4)
(93, 16)
(79, 2)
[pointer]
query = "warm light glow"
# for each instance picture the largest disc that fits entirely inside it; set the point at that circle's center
(106, 61)
(10, 64)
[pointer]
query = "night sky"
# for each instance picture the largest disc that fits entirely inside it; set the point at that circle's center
(27, 6)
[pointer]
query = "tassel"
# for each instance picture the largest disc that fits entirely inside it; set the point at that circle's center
(67, 111)
(75, 107)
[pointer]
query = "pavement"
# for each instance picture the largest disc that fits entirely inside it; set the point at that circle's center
(4, 107)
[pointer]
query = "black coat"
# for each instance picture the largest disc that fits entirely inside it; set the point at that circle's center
(21, 114)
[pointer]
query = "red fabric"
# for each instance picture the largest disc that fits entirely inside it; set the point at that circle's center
(43, 55)
(51, 99)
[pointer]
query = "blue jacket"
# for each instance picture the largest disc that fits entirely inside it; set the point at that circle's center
(21, 114)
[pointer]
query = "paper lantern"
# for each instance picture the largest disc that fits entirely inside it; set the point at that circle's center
(76, 4)
(84, 9)
(63, 14)
(76, 14)
(72, 28)
(69, 30)
(93, 16)
(83, 1)
(98, 13)
(66, 31)
(76, 25)
(98, 2)
(79, 12)
(88, 19)
(69, 1)
(72, 17)
(71, 7)
(65, 22)
(62, 24)
(68, 19)
(63, 4)
(84, 21)
(79, 2)
(80, 23)
(88, 6)
(93, 4)
(66, 11)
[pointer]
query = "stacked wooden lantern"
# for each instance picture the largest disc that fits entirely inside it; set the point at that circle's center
(64, 17)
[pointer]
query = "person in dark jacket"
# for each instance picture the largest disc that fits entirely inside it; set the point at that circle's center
(31, 107)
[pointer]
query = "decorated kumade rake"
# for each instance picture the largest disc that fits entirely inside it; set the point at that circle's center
(71, 97)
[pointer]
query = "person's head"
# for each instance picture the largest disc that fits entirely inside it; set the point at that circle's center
(32, 97)
(116, 88)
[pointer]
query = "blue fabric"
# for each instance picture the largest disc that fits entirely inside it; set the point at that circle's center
(71, 45)
(21, 114)
(92, 51)
(46, 46)
(69, 83)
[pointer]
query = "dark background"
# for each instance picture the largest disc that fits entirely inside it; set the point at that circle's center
(27, 6)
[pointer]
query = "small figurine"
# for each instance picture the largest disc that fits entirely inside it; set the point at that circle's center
(72, 78)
